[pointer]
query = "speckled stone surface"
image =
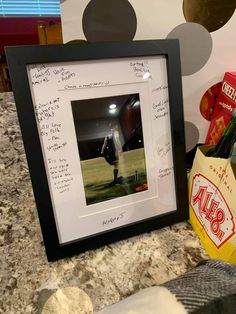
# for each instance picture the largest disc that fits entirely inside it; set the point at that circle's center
(107, 274)
(68, 300)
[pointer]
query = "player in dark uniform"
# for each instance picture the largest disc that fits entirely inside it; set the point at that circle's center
(111, 151)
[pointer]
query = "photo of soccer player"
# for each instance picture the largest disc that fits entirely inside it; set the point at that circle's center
(111, 148)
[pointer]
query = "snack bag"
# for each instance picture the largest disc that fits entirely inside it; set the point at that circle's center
(212, 204)
(224, 105)
(208, 101)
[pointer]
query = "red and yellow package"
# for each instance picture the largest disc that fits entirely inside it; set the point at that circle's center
(212, 204)
(223, 108)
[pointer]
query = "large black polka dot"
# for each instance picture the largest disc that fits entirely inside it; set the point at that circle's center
(107, 20)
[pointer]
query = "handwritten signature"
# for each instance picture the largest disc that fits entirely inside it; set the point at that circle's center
(163, 150)
(114, 219)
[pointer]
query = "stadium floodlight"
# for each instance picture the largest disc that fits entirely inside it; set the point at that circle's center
(112, 106)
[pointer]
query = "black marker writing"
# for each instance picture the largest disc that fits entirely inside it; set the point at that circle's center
(163, 150)
(159, 88)
(45, 111)
(160, 109)
(141, 69)
(112, 220)
(41, 74)
(60, 174)
(165, 172)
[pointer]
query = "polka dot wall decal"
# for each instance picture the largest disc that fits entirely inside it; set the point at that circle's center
(191, 135)
(207, 102)
(195, 46)
(106, 20)
(211, 14)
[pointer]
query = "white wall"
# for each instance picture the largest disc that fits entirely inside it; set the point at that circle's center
(156, 20)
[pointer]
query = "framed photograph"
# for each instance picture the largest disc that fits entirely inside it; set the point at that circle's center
(103, 130)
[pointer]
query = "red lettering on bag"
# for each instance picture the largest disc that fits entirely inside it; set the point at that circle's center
(211, 210)
(217, 221)
(202, 199)
(212, 213)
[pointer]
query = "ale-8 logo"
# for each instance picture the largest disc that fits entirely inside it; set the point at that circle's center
(211, 210)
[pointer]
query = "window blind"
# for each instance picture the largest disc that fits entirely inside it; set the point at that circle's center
(29, 7)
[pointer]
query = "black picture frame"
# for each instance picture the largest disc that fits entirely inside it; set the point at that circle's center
(19, 58)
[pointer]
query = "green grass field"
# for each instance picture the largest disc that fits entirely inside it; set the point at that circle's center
(97, 174)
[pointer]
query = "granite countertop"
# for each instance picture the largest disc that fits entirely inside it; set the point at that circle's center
(107, 274)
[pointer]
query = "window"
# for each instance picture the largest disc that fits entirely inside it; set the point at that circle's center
(29, 7)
